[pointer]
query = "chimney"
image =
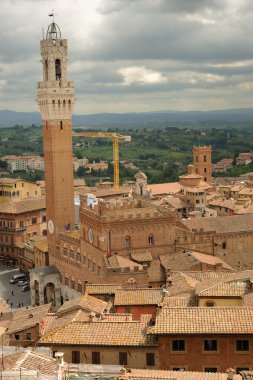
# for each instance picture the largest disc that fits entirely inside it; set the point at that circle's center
(169, 280)
(59, 357)
(230, 372)
(91, 317)
(164, 293)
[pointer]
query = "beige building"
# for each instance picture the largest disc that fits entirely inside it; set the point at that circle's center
(16, 189)
(24, 163)
(20, 221)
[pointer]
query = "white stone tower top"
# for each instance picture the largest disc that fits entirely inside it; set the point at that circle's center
(55, 93)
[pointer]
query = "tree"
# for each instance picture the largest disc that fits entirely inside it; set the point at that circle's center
(3, 164)
(81, 172)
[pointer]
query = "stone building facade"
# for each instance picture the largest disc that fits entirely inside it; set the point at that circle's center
(230, 238)
(16, 189)
(20, 221)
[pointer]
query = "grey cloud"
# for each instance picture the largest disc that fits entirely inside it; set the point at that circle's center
(150, 6)
(176, 39)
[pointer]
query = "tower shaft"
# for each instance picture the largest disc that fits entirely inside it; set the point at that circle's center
(55, 96)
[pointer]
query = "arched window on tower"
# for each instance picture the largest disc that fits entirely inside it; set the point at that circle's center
(57, 69)
(128, 241)
(151, 240)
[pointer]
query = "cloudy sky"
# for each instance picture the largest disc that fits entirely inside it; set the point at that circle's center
(133, 55)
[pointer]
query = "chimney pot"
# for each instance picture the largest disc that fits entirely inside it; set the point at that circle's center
(230, 372)
(59, 357)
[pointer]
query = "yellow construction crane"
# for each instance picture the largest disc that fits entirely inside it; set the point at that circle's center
(109, 135)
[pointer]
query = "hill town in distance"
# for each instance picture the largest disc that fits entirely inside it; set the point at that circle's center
(128, 278)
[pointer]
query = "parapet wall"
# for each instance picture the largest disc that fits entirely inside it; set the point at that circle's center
(122, 210)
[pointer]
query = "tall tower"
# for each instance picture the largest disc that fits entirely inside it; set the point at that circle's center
(202, 162)
(55, 96)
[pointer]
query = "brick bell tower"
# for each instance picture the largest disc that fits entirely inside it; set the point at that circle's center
(202, 162)
(55, 96)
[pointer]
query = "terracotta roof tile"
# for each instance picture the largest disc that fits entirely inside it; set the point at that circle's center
(117, 317)
(176, 301)
(224, 289)
(239, 277)
(101, 288)
(181, 261)
(149, 296)
(207, 275)
(118, 261)
(141, 257)
(26, 205)
(30, 360)
(247, 299)
(27, 318)
(204, 320)
(222, 224)
(105, 333)
(85, 302)
(181, 284)
(41, 245)
(156, 272)
(140, 374)
(164, 188)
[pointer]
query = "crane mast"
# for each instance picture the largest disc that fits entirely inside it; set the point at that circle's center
(115, 137)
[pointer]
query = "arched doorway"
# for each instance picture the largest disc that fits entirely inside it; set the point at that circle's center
(49, 293)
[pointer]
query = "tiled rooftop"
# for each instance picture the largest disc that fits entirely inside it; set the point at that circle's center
(27, 318)
(101, 288)
(156, 272)
(141, 257)
(149, 296)
(181, 261)
(118, 261)
(223, 224)
(176, 301)
(204, 320)
(165, 188)
(85, 302)
(106, 333)
(26, 205)
(181, 284)
(224, 289)
(208, 275)
(235, 277)
(29, 360)
(141, 374)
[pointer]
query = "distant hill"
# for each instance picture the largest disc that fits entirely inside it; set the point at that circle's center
(241, 115)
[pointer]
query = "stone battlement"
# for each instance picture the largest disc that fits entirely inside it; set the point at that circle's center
(130, 209)
(124, 270)
(202, 148)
